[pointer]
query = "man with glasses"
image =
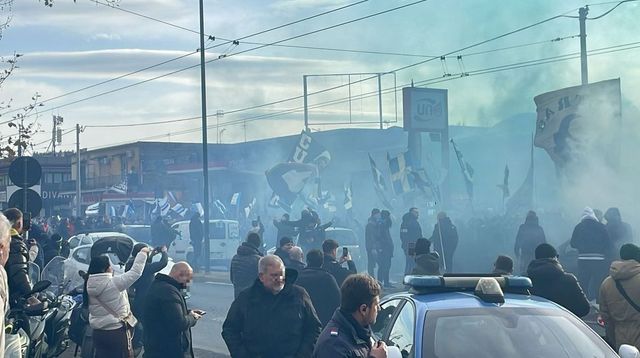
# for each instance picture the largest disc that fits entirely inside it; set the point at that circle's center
(273, 318)
(348, 333)
(553, 283)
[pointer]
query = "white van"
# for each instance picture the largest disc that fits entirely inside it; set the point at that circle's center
(223, 244)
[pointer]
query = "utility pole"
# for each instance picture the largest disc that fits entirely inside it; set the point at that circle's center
(78, 178)
(582, 12)
(380, 98)
(205, 147)
(306, 109)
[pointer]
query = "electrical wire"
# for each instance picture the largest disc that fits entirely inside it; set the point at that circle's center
(233, 54)
(518, 65)
(190, 53)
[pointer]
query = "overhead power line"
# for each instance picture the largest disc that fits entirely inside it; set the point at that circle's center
(434, 80)
(235, 54)
(190, 53)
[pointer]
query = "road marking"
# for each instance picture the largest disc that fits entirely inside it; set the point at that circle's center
(219, 283)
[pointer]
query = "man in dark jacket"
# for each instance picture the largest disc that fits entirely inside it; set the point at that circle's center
(321, 286)
(196, 235)
(244, 264)
(348, 333)
(274, 318)
(167, 320)
(371, 233)
(427, 262)
(16, 266)
(138, 291)
(284, 229)
(410, 232)
(296, 259)
(553, 283)
(286, 243)
(530, 235)
(620, 232)
(385, 249)
(445, 240)
(333, 266)
(594, 247)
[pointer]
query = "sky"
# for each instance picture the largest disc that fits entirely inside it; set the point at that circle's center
(74, 45)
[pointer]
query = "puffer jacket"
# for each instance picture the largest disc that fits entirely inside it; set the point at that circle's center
(112, 291)
(244, 267)
(621, 319)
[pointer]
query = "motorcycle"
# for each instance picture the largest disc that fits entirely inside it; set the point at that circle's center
(27, 320)
(62, 305)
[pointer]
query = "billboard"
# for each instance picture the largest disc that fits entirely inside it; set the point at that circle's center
(425, 109)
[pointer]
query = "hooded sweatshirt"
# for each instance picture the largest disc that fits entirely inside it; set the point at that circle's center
(105, 289)
(244, 267)
(622, 320)
(427, 264)
(590, 238)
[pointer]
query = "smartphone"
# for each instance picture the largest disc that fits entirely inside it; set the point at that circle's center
(26, 221)
(411, 249)
(345, 252)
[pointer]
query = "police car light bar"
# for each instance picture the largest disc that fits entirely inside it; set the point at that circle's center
(519, 283)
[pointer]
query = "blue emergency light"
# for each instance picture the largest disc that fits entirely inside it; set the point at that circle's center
(433, 284)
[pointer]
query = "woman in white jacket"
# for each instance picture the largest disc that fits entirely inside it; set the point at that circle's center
(109, 311)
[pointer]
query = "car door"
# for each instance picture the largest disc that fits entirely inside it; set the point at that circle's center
(402, 331)
(233, 239)
(179, 246)
(218, 243)
(385, 317)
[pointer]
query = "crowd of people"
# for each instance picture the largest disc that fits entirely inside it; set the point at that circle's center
(307, 299)
(337, 306)
(139, 308)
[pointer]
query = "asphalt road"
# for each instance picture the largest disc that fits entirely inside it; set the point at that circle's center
(215, 298)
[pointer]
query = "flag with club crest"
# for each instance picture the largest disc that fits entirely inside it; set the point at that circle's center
(379, 184)
(467, 170)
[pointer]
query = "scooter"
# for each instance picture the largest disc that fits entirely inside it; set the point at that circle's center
(62, 305)
(28, 322)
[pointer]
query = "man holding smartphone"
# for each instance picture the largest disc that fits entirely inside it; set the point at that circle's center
(334, 265)
(167, 321)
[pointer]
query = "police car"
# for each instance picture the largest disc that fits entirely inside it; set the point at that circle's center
(483, 317)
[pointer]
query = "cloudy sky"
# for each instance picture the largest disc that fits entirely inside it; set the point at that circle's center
(86, 60)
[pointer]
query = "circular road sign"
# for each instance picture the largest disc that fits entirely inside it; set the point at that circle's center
(25, 172)
(26, 200)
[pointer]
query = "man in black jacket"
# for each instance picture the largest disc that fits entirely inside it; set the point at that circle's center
(196, 235)
(333, 266)
(371, 235)
(284, 228)
(138, 291)
(274, 318)
(445, 240)
(594, 247)
(16, 266)
(244, 264)
(167, 320)
(348, 333)
(553, 283)
(286, 244)
(321, 286)
(410, 232)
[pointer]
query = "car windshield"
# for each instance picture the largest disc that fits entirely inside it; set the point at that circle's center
(343, 237)
(509, 332)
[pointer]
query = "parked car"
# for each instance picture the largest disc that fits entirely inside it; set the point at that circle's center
(91, 237)
(117, 248)
(224, 242)
(483, 316)
(140, 233)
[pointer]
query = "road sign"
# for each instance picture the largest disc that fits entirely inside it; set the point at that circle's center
(25, 172)
(27, 200)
